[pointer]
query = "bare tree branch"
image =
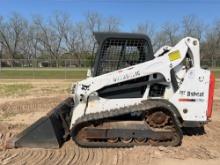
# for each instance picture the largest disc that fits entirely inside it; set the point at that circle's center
(192, 27)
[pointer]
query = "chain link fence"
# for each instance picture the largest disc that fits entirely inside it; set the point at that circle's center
(211, 63)
(57, 69)
(43, 69)
(42, 63)
(70, 63)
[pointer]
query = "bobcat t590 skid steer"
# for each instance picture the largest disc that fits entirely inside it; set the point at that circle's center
(131, 97)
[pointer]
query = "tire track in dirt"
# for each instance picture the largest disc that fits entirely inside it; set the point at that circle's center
(29, 158)
(44, 158)
(84, 156)
(110, 156)
(68, 154)
(98, 156)
(48, 161)
(41, 157)
(22, 157)
(72, 154)
(7, 158)
(55, 156)
(76, 157)
(119, 157)
(90, 156)
(30, 105)
(203, 147)
(60, 158)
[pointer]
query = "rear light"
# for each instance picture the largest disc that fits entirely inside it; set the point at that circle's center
(211, 94)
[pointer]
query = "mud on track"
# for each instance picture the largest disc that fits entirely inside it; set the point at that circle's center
(16, 114)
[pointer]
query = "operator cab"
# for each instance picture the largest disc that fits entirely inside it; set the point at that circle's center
(120, 50)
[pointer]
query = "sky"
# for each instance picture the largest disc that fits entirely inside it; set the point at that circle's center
(130, 12)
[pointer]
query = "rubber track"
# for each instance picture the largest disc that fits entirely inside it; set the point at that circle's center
(143, 106)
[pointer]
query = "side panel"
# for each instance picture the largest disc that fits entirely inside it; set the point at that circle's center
(191, 99)
(100, 105)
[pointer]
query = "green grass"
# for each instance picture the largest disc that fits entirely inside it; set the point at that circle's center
(42, 73)
(14, 89)
(50, 73)
(217, 73)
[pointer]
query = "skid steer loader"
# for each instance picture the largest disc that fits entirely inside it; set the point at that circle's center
(131, 97)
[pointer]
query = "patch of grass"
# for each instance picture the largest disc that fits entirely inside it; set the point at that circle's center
(56, 89)
(217, 73)
(6, 115)
(217, 84)
(51, 73)
(14, 89)
(1, 118)
(43, 73)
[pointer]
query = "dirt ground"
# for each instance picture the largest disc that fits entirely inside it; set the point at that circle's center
(19, 110)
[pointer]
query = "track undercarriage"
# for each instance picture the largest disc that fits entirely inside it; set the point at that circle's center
(145, 124)
(151, 122)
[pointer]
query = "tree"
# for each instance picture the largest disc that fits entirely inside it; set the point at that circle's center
(211, 45)
(81, 42)
(169, 35)
(12, 33)
(29, 44)
(148, 29)
(112, 24)
(94, 23)
(52, 34)
(192, 27)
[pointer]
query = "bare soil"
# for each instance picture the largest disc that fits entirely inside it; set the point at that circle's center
(16, 113)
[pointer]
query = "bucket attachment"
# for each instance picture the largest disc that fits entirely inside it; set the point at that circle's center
(50, 131)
